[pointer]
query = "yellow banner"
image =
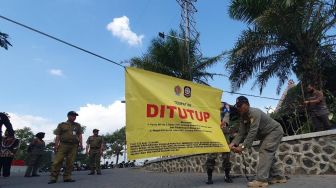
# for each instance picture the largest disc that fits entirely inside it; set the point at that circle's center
(166, 116)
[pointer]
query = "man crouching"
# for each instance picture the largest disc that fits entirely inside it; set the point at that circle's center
(256, 124)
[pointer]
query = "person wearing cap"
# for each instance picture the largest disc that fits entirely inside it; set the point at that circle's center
(68, 141)
(211, 158)
(254, 123)
(36, 151)
(94, 149)
(4, 120)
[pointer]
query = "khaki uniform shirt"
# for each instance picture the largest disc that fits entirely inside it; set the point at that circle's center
(256, 124)
(95, 142)
(69, 132)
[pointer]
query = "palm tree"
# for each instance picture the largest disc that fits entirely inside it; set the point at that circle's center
(283, 37)
(169, 56)
(4, 43)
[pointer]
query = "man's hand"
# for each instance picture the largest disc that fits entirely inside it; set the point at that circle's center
(223, 124)
(238, 149)
(101, 152)
(306, 102)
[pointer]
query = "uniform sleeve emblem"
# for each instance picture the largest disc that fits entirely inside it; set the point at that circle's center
(252, 120)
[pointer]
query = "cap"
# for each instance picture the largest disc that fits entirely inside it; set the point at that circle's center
(72, 113)
(241, 100)
(95, 130)
(40, 135)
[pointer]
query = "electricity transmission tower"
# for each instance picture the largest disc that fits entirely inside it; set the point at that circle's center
(188, 24)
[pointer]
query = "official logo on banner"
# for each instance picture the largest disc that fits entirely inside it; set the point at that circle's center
(187, 91)
(177, 90)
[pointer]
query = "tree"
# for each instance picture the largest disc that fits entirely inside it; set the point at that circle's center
(26, 136)
(169, 56)
(115, 143)
(283, 37)
(4, 43)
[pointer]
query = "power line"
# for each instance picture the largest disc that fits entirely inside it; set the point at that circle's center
(252, 95)
(104, 58)
(62, 41)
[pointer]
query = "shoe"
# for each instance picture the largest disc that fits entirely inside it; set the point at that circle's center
(35, 175)
(256, 183)
(275, 180)
(69, 180)
(209, 172)
(209, 182)
(27, 176)
(52, 182)
(227, 177)
(91, 173)
(99, 173)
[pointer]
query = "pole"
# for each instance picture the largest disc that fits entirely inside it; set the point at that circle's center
(187, 36)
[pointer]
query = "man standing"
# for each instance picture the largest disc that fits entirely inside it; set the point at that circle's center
(4, 120)
(94, 148)
(68, 141)
(211, 158)
(317, 108)
(256, 124)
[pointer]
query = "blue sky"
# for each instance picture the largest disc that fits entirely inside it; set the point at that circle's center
(44, 79)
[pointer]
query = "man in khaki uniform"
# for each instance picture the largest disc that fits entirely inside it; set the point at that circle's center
(254, 123)
(94, 148)
(68, 141)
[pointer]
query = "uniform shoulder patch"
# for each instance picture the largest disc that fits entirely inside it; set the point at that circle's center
(252, 120)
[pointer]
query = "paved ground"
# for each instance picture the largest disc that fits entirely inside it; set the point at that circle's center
(138, 178)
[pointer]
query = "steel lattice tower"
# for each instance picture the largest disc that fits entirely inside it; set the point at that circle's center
(188, 24)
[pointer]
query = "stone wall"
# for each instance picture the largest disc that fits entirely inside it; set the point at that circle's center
(313, 153)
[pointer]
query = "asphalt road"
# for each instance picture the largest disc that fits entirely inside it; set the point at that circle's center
(139, 178)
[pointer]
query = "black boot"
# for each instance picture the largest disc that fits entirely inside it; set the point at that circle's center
(209, 172)
(227, 177)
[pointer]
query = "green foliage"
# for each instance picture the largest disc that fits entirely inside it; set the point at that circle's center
(82, 158)
(50, 146)
(283, 37)
(4, 43)
(25, 135)
(292, 112)
(115, 143)
(169, 56)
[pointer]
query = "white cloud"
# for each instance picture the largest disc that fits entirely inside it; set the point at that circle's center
(120, 27)
(36, 123)
(105, 118)
(94, 116)
(56, 72)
